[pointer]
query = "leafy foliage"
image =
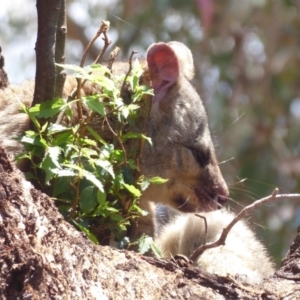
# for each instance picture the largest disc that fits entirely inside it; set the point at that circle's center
(94, 180)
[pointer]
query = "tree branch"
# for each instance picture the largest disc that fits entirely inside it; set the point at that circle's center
(247, 210)
(48, 12)
(61, 34)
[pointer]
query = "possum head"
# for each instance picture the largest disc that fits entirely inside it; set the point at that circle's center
(182, 150)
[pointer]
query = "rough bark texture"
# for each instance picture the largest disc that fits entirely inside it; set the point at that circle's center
(43, 257)
(3, 76)
(48, 14)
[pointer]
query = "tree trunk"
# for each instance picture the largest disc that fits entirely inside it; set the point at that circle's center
(44, 257)
(48, 12)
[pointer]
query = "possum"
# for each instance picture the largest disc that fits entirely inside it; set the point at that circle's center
(182, 151)
(243, 256)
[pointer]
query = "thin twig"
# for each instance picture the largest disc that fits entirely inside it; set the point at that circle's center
(129, 70)
(248, 209)
(76, 200)
(110, 128)
(118, 138)
(205, 226)
(107, 42)
(103, 28)
(112, 57)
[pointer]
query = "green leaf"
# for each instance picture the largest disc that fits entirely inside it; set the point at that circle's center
(93, 103)
(54, 128)
(133, 107)
(54, 153)
(101, 197)
(33, 138)
(48, 108)
(144, 184)
(140, 92)
(132, 189)
(50, 164)
(62, 183)
(65, 173)
(96, 135)
(88, 153)
(125, 112)
(106, 165)
(63, 138)
(112, 209)
(29, 176)
(30, 115)
(134, 135)
(92, 178)
(144, 243)
(91, 236)
(106, 150)
(88, 200)
(88, 175)
(71, 67)
(157, 252)
(157, 180)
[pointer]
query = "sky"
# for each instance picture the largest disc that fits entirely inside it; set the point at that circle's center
(17, 38)
(18, 29)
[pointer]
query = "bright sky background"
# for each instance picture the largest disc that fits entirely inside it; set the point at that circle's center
(18, 44)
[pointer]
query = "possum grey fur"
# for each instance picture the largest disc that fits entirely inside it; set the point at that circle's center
(182, 150)
(243, 255)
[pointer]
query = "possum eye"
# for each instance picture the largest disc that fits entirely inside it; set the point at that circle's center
(201, 154)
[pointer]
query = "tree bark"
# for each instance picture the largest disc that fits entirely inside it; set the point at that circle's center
(61, 35)
(44, 257)
(3, 76)
(48, 16)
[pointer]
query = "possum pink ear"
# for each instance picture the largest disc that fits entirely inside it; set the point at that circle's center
(163, 68)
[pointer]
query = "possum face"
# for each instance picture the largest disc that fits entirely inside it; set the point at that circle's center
(182, 150)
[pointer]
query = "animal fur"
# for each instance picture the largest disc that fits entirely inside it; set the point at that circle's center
(182, 150)
(243, 255)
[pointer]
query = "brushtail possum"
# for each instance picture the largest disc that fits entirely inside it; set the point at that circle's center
(243, 255)
(182, 151)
